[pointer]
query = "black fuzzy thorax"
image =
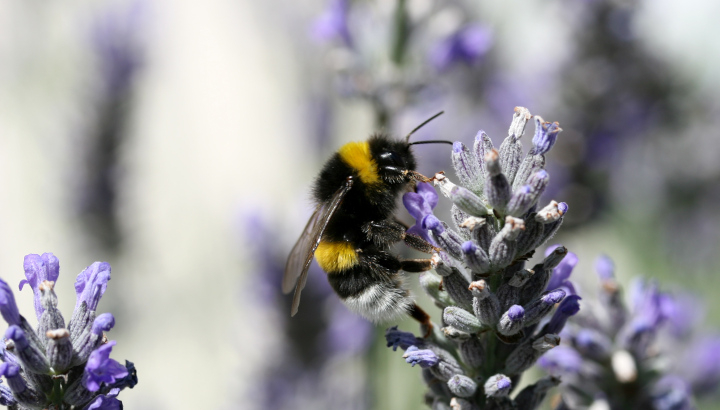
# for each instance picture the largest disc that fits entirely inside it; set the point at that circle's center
(364, 203)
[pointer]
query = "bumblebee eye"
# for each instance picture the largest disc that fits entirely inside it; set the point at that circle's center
(392, 158)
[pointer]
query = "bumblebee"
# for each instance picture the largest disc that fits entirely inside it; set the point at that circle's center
(353, 226)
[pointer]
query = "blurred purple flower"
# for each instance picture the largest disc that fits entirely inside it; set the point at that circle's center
(468, 45)
(561, 273)
(333, 23)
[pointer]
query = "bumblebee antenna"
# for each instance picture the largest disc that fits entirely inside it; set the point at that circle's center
(407, 138)
(431, 142)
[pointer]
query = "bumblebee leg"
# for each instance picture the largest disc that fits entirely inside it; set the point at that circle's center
(425, 324)
(420, 244)
(384, 233)
(417, 265)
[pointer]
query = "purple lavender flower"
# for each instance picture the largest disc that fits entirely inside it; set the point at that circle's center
(615, 347)
(91, 283)
(468, 45)
(491, 302)
(333, 23)
(101, 369)
(103, 402)
(424, 357)
(420, 204)
(39, 268)
(58, 365)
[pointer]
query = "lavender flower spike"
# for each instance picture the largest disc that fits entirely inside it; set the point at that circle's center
(39, 268)
(491, 301)
(54, 367)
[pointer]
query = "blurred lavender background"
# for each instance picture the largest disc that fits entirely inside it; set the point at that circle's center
(177, 140)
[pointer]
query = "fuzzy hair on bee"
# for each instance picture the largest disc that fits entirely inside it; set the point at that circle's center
(353, 227)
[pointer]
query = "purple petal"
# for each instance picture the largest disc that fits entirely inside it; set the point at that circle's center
(427, 191)
(416, 205)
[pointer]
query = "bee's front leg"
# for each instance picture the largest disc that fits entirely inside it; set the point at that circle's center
(387, 232)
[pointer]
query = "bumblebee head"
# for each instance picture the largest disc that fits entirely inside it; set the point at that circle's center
(393, 158)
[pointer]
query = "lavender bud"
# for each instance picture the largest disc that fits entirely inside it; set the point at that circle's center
(432, 285)
(51, 318)
(512, 321)
(425, 358)
(498, 385)
(446, 367)
(455, 334)
(550, 230)
(397, 338)
(468, 201)
(462, 386)
(485, 304)
(461, 319)
(459, 217)
(466, 167)
(529, 166)
(90, 340)
(509, 292)
(31, 358)
(520, 201)
(503, 246)
(520, 118)
(476, 258)
(437, 387)
(545, 135)
(472, 351)
(554, 259)
(21, 392)
(449, 241)
(59, 349)
(457, 287)
(551, 213)
(483, 235)
(511, 148)
(483, 145)
(532, 396)
(497, 187)
(540, 307)
(531, 237)
(527, 353)
(536, 285)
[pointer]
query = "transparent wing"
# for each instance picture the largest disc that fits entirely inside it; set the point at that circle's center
(316, 226)
(299, 252)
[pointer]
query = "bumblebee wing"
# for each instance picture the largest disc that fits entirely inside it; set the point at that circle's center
(300, 252)
(318, 229)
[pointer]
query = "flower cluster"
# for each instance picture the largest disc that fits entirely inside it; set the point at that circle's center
(645, 356)
(493, 306)
(57, 366)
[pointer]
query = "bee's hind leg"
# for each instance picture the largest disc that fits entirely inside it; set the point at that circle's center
(419, 265)
(421, 316)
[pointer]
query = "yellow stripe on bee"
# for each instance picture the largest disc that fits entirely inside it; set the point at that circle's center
(336, 257)
(357, 156)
